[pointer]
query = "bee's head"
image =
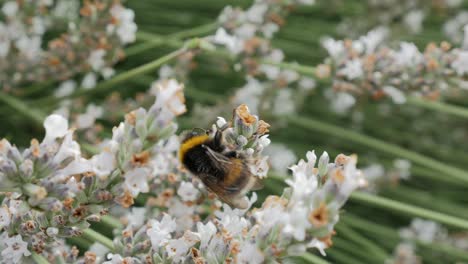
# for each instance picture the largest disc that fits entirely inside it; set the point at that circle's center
(191, 139)
(189, 134)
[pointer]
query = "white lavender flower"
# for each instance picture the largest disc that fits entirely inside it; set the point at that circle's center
(14, 248)
(22, 37)
(160, 231)
(424, 230)
(125, 28)
(376, 70)
(55, 191)
(280, 157)
(187, 191)
(404, 253)
(453, 28)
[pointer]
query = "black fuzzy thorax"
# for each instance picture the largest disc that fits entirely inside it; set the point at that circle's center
(198, 161)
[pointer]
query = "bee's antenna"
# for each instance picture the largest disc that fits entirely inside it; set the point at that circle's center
(224, 127)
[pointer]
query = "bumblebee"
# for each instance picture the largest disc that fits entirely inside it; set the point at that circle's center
(224, 172)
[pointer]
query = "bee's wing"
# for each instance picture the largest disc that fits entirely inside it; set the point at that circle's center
(217, 185)
(227, 194)
(219, 161)
(258, 184)
(216, 156)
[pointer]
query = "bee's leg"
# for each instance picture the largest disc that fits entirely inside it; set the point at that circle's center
(240, 202)
(218, 141)
(232, 154)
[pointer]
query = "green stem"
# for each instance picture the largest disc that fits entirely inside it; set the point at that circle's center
(34, 114)
(354, 250)
(421, 172)
(122, 77)
(60, 260)
(438, 106)
(382, 146)
(379, 231)
(306, 70)
(154, 40)
(95, 236)
(111, 221)
(311, 258)
(418, 197)
(407, 209)
(359, 239)
(35, 88)
(342, 257)
(39, 259)
(79, 242)
(103, 86)
(196, 31)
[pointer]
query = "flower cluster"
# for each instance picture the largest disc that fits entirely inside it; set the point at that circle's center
(303, 217)
(404, 253)
(52, 191)
(248, 31)
(426, 232)
(455, 27)
(367, 67)
(378, 176)
(90, 46)
(247, 34)
(399, 15)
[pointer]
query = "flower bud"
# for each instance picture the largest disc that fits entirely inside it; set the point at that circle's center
(36, 192)
(26, 169)
(221, 122)
(52, 231)
(323, 164)
(244, 123)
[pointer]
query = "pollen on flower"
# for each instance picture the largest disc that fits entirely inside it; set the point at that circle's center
(90, 257)
(338, 176)
(126, 199)
(68, 203)
(275, 200)
(328, 239)
(80, 212)
(172, 178)
(141, 159)
(322, 71)
(30, 226)
(131, 118)
(35, 149)
(319, 216)
(342, 159)
(127, 233)
(242, 111)
(263, 127)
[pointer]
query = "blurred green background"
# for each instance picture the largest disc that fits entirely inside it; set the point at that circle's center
(419, 132)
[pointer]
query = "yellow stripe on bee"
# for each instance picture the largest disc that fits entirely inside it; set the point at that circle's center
(234, 172)
(190, 143)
